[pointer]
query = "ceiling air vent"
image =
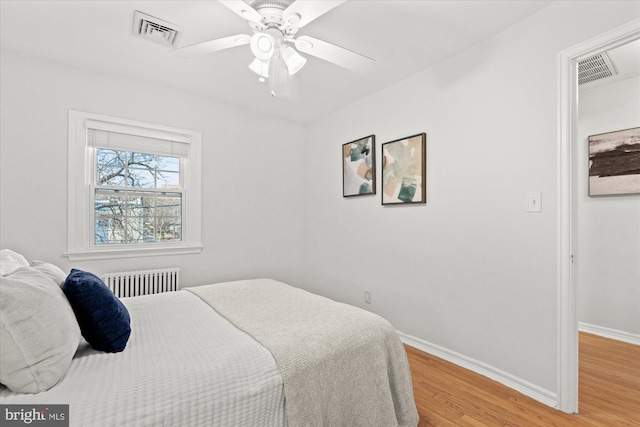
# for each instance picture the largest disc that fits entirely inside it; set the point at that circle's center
(156, 30)
(595, 68)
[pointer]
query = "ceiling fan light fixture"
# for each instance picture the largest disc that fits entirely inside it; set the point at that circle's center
(260, 67)
(293, 60)
(263, 46)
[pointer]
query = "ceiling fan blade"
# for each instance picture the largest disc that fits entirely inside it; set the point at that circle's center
(213, 45)
(307, 11)
(243, 10)
(335, 54)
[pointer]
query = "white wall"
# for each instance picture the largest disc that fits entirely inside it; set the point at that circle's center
(470, 272)
(253, 176)
(608, 258)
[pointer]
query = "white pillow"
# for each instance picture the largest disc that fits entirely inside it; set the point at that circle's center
(53, 271)
(38, 331)
(10, 261)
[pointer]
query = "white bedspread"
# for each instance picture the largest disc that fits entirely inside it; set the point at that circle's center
(184, 365)
(342, 366)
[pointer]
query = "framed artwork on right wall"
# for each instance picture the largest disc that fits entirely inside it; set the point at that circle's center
(404, 170)
(614, 162)
(359, 167)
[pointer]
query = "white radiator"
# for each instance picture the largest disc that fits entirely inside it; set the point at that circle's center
(143, 282)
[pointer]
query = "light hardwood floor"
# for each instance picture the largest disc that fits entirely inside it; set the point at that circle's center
(609, 391)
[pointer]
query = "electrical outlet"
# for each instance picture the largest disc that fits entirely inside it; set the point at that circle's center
(367, 297)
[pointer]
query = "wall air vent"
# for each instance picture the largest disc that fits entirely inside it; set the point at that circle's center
(156, 30)
(596, 67)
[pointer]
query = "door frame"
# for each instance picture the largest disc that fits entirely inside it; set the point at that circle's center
(567, 362)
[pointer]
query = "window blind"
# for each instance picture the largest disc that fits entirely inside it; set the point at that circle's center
(126, 138)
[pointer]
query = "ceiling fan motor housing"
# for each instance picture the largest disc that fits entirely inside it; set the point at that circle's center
(272, 13)
(259, 4)
(272, 16)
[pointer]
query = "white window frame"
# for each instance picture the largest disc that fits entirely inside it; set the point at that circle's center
(81, 170)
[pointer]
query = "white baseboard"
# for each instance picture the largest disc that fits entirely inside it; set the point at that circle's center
(613, 334)
(540, 394)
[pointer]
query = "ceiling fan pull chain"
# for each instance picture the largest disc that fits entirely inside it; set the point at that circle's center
(272, 79)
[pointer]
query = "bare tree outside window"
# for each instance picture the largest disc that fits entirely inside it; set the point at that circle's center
(138, 198)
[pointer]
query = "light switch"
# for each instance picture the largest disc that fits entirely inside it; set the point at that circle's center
(534, 201)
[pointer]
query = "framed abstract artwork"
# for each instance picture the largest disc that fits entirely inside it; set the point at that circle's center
(359, 167)
(614, 162)
(404, 170)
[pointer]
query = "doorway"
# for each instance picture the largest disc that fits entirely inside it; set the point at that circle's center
(567, 400)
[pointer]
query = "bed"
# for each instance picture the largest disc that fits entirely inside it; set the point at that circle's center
(245, 353)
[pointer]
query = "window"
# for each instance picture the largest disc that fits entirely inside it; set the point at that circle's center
(134, 188)
(137, 198)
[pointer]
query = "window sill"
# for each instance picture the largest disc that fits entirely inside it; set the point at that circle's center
(92, 254)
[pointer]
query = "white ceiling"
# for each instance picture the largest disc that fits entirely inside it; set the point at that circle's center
(403, 37)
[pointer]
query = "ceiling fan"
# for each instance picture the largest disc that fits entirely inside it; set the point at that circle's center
(274, 24)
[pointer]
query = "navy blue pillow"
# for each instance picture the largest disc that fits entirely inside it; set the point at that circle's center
(104, 321)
